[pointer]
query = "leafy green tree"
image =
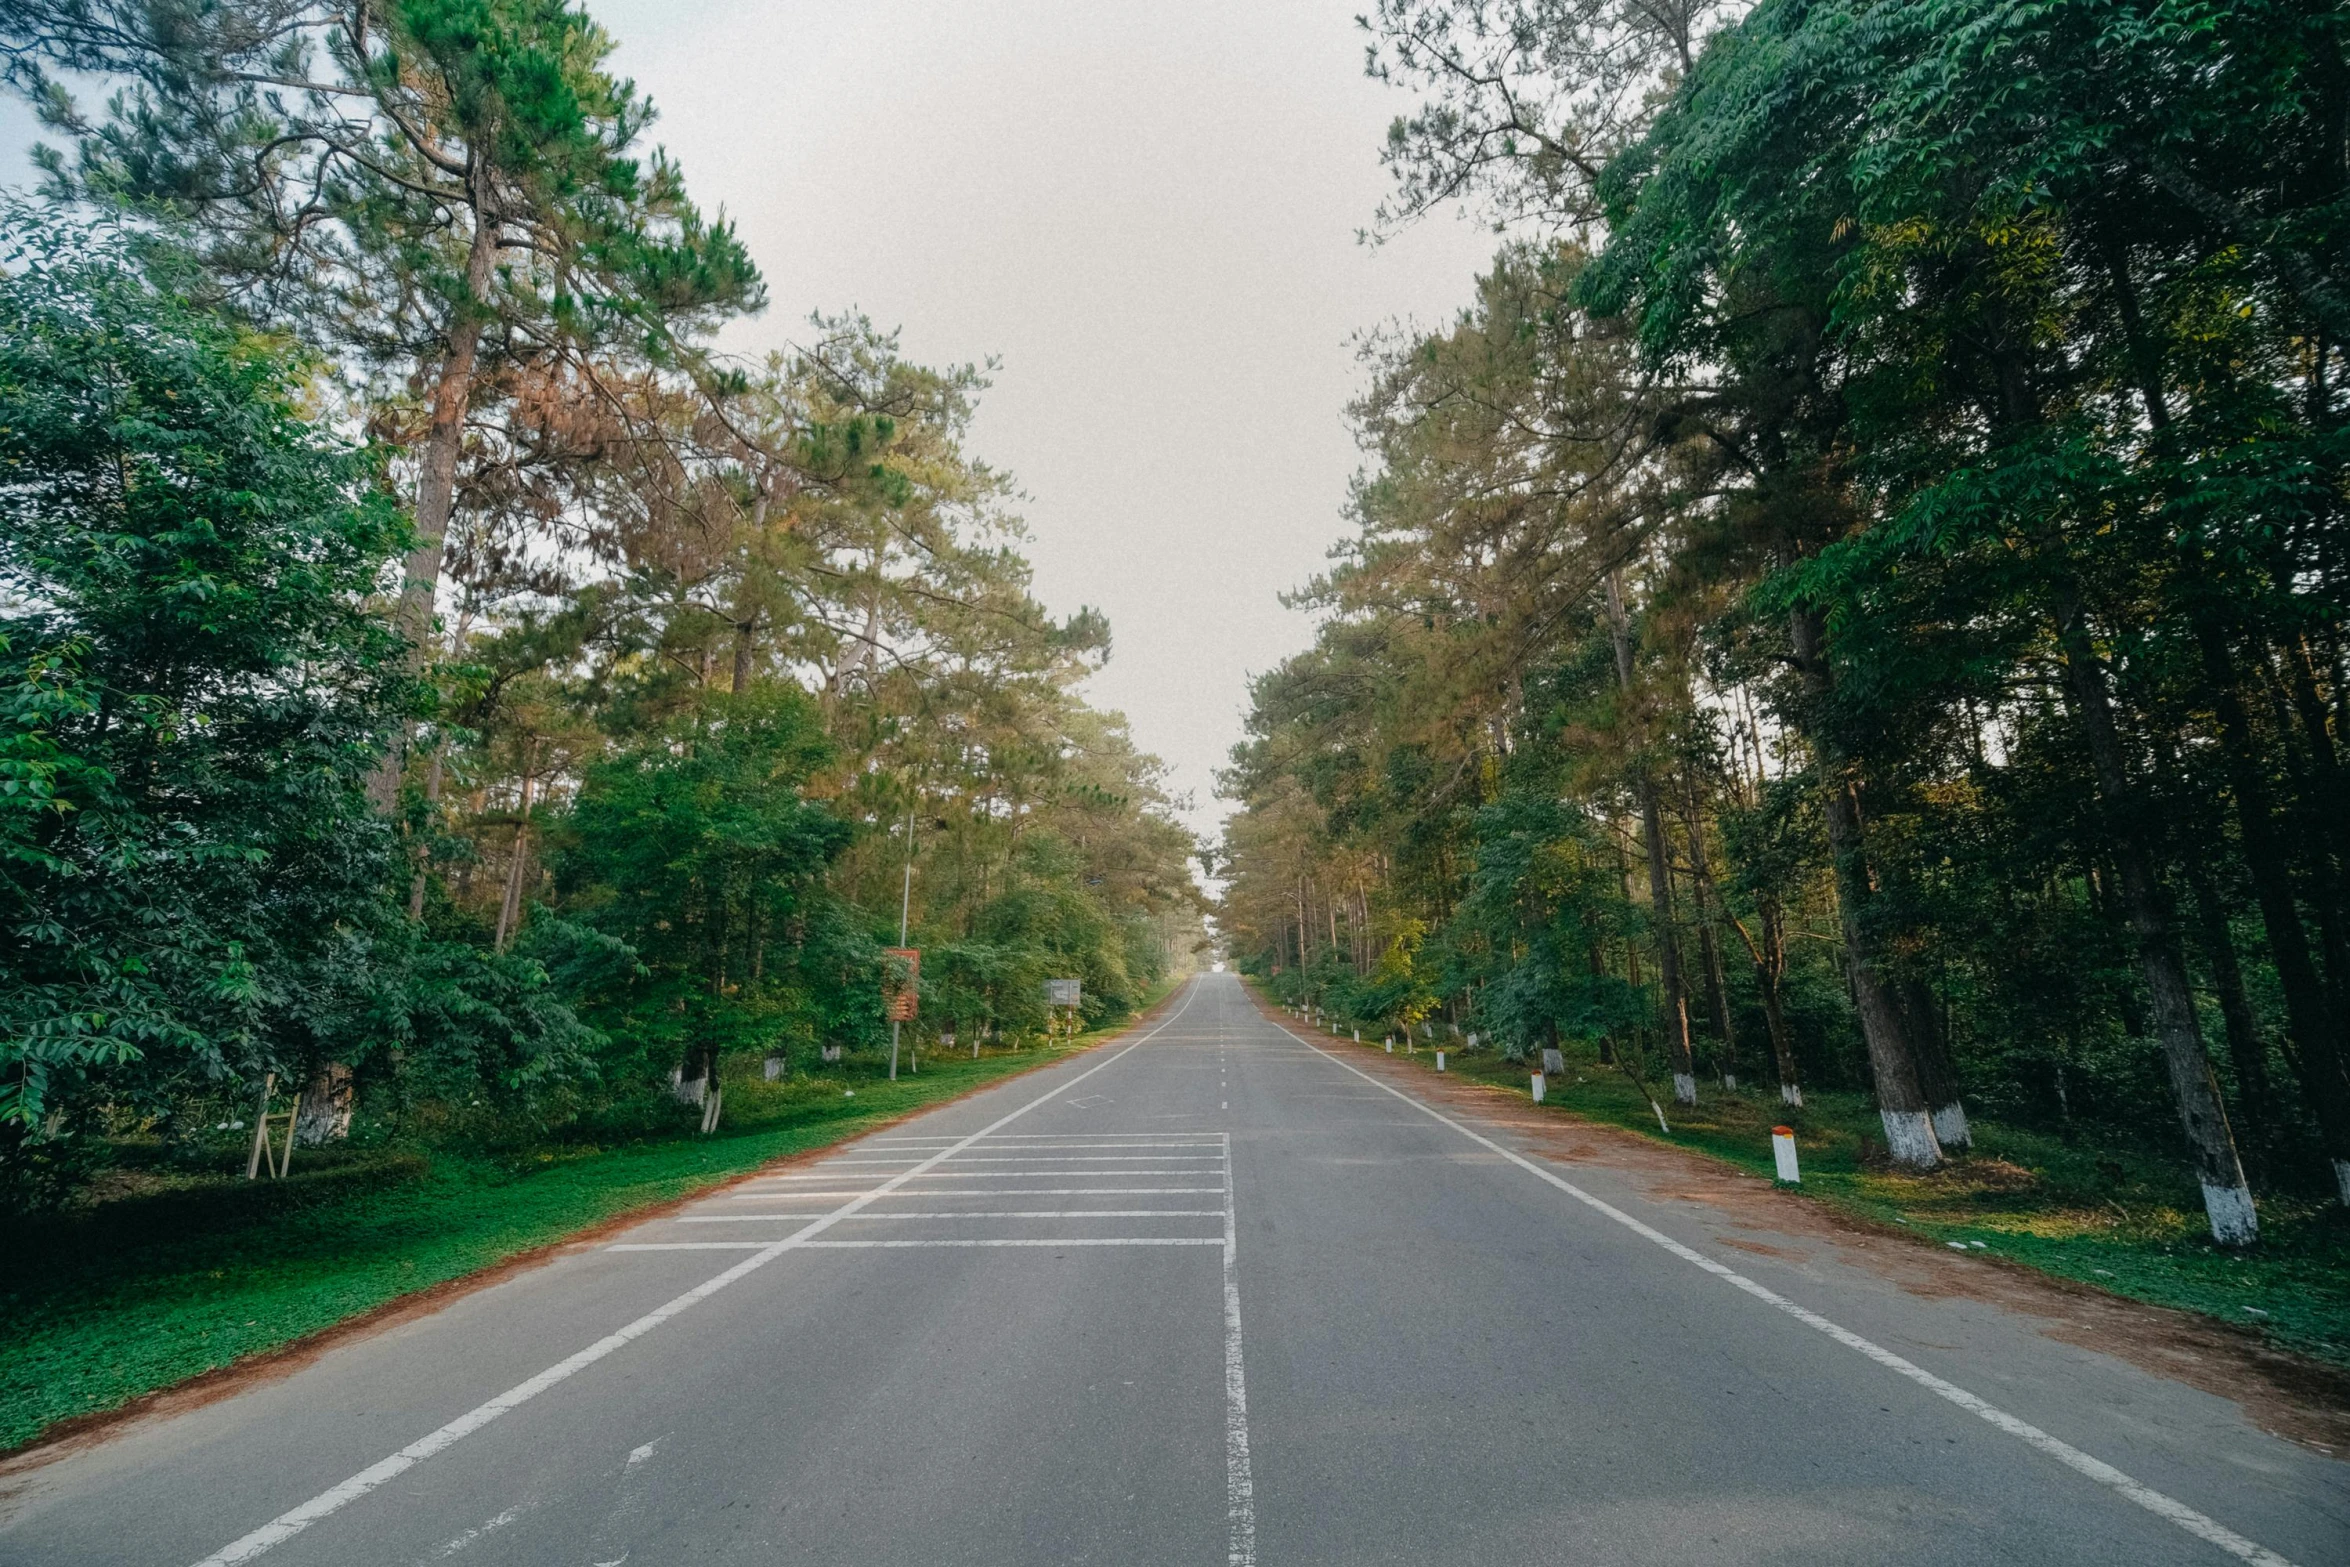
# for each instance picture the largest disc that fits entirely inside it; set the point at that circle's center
(695, 852)
(195, 692)
(427, 189)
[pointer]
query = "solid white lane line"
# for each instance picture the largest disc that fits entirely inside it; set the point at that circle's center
(1066, 1240)
(1090, 1240)
(795, 1196)
(1091, 1158)
(1159, 1142)
(926, 1173)
(1015, 1213)
(2167, 1508)
(1005, 1191)
(293, 1521)
(677, 1246)
(1064, 1139)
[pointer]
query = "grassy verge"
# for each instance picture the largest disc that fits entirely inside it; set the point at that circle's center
(2113, 1219)
(134, 1295)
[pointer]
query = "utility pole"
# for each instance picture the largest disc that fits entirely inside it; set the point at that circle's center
(905, 907)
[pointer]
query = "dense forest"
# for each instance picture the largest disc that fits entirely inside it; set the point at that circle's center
(1857, 602)
(436, 673)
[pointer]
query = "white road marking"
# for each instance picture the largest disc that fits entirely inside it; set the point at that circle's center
(1160, 1141)
(2155, 1502)
(293, 1521)
(1089, 1240)
(780, 1196)
(1031, 1213)
(925, 1173)
(637, 1455)
(1094, 1158)
(469, 1536)
(694, 1246)
(1064, 1139)
(1066, 1240)
(1240, 1492)
(1007, 1191)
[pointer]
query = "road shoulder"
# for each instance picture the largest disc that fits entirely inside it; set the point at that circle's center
(2300, 1400)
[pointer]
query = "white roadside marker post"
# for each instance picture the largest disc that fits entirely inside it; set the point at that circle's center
(1391, 1044)
(1358, 1036)
(1538, 1087)
(1783, 1149)
(1439, 1060)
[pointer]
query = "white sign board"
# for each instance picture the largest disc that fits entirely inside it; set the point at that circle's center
(1062, 992)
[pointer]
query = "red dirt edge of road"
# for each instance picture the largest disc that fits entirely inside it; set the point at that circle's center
(81, 1432)
(2303, 1401)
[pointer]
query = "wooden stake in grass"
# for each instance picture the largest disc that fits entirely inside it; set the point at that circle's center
(279, 1162)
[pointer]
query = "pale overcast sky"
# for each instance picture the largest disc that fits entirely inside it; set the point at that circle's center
(1147, 212)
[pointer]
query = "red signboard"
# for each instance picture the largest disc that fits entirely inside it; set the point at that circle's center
(901, 974)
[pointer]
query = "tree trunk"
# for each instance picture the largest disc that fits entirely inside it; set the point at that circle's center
(326, 1106)
(2316, 1056)
(2227, 1199)
(1774, 1008)
(1901, 1099)
(436, 479)
(745, 631)
(2320, 829)
(1717, 990)
(1660, 884)
(432, 797)
(1769, 957)
(2245, 1048)
(510, 908)
(1937, 1071)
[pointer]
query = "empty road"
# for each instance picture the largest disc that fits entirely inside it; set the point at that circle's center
(1212, 1293)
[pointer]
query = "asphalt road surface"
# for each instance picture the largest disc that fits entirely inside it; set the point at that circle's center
(1209, 1294)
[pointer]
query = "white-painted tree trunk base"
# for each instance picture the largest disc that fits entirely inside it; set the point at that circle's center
(1662, 1124)
(1909, 1139)
(2342, 1179)
(1730, 1081)
(771, 1068)
(1685, 1087)
(1554, 1062)
(693, 1093)
(1791, 1094)
(1950, 1126)
(2234, 1221)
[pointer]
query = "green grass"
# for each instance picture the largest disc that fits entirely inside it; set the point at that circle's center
(141, 1292)
(2114, 1219)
